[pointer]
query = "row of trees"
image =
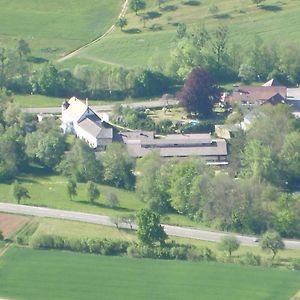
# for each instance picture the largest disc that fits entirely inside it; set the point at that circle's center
(227, 61)
(23, 73)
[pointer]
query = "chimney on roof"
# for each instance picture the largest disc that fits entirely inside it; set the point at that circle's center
(87, 102)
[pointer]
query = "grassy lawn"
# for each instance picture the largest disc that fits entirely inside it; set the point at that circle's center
(49, 190)
(274, 22)
(55, 27)
(45, 101)
(32, 274)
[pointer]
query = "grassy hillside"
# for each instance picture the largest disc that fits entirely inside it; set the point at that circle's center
(54, 27)
(275, 21)
(63, 275)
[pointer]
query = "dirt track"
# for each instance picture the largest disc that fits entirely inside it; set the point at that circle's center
(105, 34)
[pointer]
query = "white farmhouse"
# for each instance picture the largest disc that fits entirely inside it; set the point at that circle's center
(79, 119)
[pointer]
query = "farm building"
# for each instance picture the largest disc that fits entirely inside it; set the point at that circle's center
(79, 119)
(140, 143)
(270, 92)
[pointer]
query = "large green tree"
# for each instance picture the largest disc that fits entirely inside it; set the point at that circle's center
(271, 241)
(71, 188)
(151, 186)
(19, 192)
(118, 166)
(290, 157)
(229, 244)
(149, 229)
(93, 192)
(137, 5)
(46, 148)
(257, 161)
(81, 163)
(121, 22)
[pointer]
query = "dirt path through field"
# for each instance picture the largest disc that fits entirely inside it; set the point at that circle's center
(105, 34)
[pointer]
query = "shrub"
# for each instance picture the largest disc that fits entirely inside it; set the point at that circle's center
(250, 259)
(112, 199)
(42, 241)
(1, 236)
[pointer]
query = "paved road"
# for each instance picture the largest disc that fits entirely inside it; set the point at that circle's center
(293, 99)
(104, 220)
(99, 108)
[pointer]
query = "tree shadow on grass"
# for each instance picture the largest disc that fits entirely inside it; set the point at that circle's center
(36, 60)
(132, 30)
(153, 14)
(273, 8)
(102, 205)
(192, 2)
(169, 8)
(222, 16)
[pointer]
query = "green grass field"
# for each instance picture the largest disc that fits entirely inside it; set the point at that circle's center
(45, 101)
(55, 27)
(32, 274)
(277, 21)
(50, 191)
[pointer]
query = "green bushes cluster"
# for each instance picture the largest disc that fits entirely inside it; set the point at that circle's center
(119, 247)
(171, 251)
(96, 246)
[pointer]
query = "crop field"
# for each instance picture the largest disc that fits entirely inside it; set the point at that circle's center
(275, 22)
(55, 27)
(11, 223)
(32, 274)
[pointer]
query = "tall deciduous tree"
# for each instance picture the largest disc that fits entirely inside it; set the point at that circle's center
(118, 166)
(46, 148)
(199, 92)
(229, 244)
(19, 192)
(151, 184)
(71, 188)
(137, 5)
(121, 22)
(92, 191)
(149, 228)
(23, 48)
(271, 241)
(81, 163)
(290, 157)
(257, 161)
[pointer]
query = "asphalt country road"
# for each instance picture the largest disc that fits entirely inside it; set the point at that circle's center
(185, 232)
(101, 108)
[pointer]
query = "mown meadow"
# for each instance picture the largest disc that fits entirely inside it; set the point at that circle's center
(53, 28)
(34, 274)
(275, 22)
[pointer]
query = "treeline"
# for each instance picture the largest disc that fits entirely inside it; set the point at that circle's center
(25, 74)
(21, 72)
(230, 62)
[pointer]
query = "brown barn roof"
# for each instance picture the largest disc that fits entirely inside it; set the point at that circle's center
(262, 94)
